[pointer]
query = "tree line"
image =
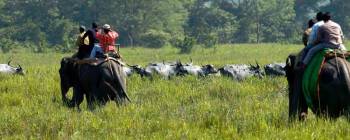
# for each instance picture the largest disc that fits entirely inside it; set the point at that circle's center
(54, 24)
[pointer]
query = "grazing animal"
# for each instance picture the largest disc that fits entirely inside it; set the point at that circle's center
(100, 83)
(165, 69)
(8, 69)
(199, 70)
(140, 70)
(333, 90)
(127, 71)
(132, 69)
(275, 69)
(240, 71)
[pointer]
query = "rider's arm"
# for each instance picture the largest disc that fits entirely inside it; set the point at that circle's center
(318, 38)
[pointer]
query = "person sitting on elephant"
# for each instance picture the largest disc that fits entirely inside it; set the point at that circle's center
(107, 39)
(82, 43)
(314, 29)
(307, 32)
(93, 47)
(312, 36)
(329, 35)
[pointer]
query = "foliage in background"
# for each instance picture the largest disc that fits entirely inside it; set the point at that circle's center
(207, 22)
(155, 39)
(186, 45)
(306, 9)
(5, 45)
(180, 108)
(153, 23)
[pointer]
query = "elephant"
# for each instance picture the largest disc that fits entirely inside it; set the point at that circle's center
(99, 83)
(332, 97)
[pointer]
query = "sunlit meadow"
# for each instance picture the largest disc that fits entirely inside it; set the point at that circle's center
(180, 108)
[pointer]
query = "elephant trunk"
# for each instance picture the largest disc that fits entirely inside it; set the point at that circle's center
(64, 91)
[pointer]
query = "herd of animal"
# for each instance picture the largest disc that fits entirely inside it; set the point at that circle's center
(170, 69)
(234, 71)
(108, 81)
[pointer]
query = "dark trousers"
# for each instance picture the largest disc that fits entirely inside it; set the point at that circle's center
(84, 51)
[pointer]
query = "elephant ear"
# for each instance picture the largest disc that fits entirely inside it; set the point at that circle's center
(288, 62)
(121, 82)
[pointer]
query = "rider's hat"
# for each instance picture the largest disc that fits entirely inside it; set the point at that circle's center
(107, 26)
(82, 27)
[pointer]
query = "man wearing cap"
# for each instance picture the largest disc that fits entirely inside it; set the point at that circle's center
(107, 39)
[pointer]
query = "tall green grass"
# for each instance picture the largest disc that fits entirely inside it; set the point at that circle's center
(180, 108)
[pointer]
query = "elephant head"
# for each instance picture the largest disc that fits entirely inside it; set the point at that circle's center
(68, 76)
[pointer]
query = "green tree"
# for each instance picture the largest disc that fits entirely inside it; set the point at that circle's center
(266, 21)
(134, 19)
(155, 23)
(307, 9)
(339, 11)
(35, 21)
(208, 23)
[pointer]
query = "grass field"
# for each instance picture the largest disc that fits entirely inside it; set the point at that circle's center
(180, 108)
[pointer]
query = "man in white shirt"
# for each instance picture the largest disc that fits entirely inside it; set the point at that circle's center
(329, 35)
(313, 34)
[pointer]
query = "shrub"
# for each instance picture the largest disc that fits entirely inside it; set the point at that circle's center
(210, 40)
(40, 48)
(6, 45)
(68, 46)
(154, 39)
(186, 45)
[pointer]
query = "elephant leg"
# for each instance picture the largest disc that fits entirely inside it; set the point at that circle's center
(91, 100)
(293, 105)
(78, 97)
(116, 93)
(100, 96)
(297, 102)
(302, 106)
(64, 90)
(109, 92)
(302, 114)
(346, 112)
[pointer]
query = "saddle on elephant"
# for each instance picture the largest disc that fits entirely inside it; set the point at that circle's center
(311, 75)
(101, 59)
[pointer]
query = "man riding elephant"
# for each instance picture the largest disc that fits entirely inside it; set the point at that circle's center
(308, 31)
(107, 40)
(329, 35)
(82, 44)
(324, 85)
(98, 83)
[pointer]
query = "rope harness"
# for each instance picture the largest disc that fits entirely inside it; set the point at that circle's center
(318, 82)
(329, 55)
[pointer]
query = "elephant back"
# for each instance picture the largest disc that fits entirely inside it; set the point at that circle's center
(326, 74)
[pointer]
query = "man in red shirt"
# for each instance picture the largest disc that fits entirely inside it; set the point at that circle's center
(107, 39)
